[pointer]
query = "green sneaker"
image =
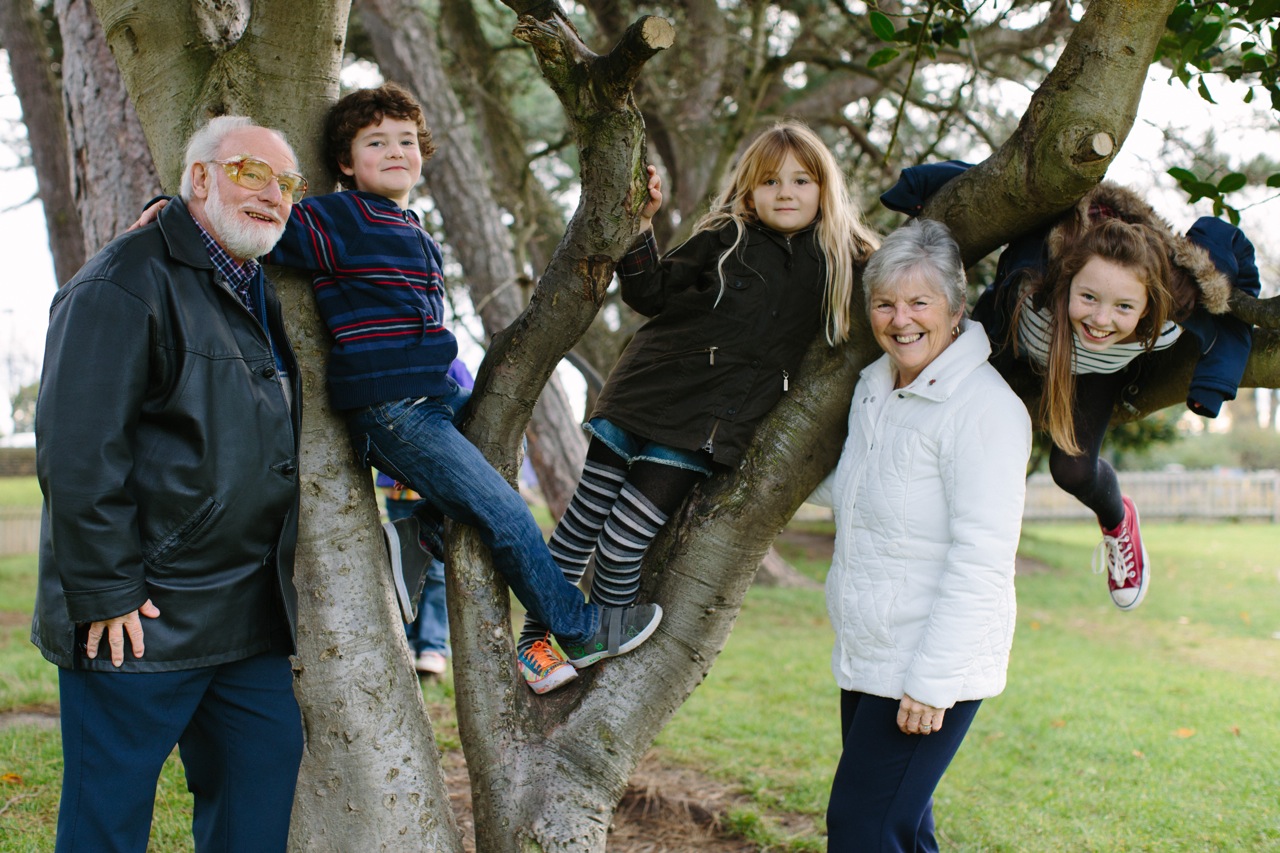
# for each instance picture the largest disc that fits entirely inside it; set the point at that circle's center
(621, 630)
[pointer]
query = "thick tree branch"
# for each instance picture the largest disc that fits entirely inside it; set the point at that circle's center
(1077, 120)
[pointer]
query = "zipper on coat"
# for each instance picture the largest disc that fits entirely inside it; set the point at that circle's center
(708, 446)
(711, 353)
(786, 381)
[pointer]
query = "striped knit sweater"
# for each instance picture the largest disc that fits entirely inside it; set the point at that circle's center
(379, 288)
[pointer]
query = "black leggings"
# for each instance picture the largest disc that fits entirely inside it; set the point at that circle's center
(1087, 477)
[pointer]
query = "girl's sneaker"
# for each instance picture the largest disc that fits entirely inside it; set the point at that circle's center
(544, 669)
(621, 630)
(1123, 557)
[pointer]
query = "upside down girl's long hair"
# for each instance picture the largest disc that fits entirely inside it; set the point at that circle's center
(844, 238)
(1136, 247)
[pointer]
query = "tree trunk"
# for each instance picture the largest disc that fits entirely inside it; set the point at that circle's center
(23, 38)
(404, 43)
(112, 172)
(370, 777)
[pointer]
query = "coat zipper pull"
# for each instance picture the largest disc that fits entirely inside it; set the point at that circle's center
(712, 352)
(786, 383)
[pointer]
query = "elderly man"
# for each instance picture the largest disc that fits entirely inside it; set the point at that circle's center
(167, 451)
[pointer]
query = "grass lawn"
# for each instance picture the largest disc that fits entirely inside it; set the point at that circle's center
(1149, 730)
(1145, 731)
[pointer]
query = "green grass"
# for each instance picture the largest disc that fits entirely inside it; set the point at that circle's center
(1146, 731)
(1150, 730)
(19, 492)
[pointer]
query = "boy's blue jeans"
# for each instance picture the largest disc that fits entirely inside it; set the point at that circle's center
(416, 442)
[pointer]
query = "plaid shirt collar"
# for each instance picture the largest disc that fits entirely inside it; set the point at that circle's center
(239, 274)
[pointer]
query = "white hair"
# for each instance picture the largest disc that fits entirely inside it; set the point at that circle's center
(924, 248)
(205, 143)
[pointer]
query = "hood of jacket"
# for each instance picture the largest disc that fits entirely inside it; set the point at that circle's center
(1194, 276)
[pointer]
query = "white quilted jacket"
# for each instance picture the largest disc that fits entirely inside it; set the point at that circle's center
(928, 507)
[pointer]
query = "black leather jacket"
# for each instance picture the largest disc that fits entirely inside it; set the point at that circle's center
(167, 452)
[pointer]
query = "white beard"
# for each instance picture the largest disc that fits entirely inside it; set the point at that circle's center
(242, 237)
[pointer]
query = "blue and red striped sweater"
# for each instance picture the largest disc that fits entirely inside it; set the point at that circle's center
(379, 288)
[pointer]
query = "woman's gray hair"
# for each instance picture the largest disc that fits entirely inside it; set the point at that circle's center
(924, 249)
(205, 142)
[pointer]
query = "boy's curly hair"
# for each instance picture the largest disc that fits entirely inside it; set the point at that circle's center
(365, 107)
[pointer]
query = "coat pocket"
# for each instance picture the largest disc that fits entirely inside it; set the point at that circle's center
(173, 543)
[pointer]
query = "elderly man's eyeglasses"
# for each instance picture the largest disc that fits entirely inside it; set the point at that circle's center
(253, 174)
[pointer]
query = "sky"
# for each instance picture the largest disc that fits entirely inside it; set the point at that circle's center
(28, 287)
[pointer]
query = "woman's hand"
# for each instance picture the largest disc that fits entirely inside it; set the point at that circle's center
(917, 718)
(655, 200)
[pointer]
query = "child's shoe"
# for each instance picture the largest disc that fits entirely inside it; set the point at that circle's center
(409, 561)
(1122, 555)
(621, 630)
(430, 663)
(544, 669)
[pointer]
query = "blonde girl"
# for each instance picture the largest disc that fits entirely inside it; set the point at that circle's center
(732, 311)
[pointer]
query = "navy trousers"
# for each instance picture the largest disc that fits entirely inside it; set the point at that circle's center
(882, 796)
(239, 732)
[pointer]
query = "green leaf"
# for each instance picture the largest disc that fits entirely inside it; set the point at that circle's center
(1232, 182)
(880, 57)
(1234, 216)
(1183, 176)
(1273, 181)
(1204, 92)
(882, 27)
(1202, 189)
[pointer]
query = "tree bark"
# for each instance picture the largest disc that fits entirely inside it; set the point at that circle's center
(112, 172)
(23, 38)
(1077, 120)
(370, 777)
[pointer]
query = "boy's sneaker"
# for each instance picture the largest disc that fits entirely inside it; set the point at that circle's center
(1124, 559)
(621, 630)
(409, 561)
(430, 663)
(543, 668)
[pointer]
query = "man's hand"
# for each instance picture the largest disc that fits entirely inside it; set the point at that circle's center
(149, 215)
(654, 202)
(116, 629)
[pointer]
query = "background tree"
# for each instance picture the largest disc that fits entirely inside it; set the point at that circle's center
(547, 771)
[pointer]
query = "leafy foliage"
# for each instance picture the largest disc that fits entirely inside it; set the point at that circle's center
(1238, 41)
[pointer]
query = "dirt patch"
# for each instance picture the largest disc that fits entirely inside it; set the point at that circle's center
(44, 716)
(13, 619)
(664, 810)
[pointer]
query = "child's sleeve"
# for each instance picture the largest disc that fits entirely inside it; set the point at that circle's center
(1225, 341)
(647, 280)
(918, 183)
(305, 244)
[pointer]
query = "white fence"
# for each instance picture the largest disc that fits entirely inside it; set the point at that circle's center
(1159, 495)
(1170, 496)
(19, 531)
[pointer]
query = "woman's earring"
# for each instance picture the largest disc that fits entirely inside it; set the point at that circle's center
(955, 331)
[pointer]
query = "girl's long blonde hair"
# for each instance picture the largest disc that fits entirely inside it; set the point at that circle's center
(844, 238)
(1134, 246)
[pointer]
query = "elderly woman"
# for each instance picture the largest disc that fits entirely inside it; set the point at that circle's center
(928, 505)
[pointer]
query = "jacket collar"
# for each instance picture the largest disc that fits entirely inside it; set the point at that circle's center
(939, 380)
(182, 236)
